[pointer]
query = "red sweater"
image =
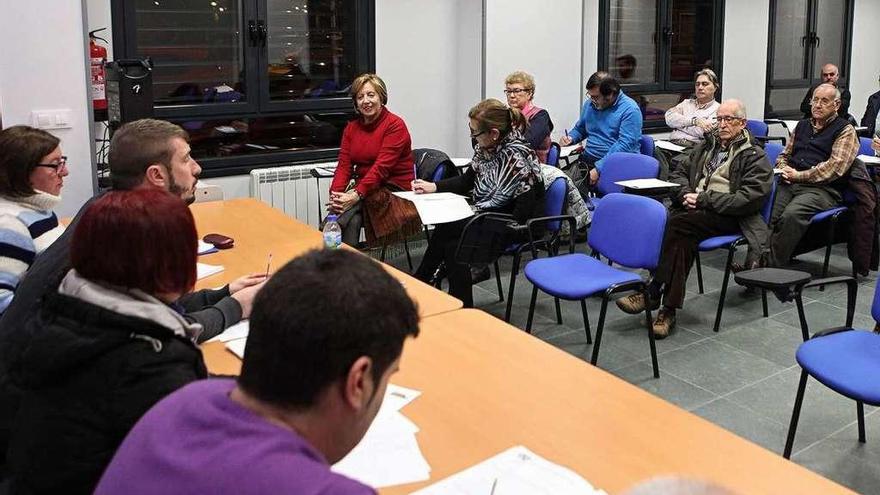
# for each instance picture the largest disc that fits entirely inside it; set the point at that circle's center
(382, 152)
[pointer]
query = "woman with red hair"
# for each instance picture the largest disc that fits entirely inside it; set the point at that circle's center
(109, 344)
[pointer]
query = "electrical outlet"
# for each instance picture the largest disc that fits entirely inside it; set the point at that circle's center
(52, 119)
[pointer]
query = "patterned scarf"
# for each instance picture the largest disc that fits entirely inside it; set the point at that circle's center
(504, 173)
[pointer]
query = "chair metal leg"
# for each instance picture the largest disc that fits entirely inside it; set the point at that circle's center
(764, 302)
(860, 411)
(831, 232)
(558, 311)
(408, 257)
(595, 357)
(514, 271)
(805, 330)
(586, 321)
(723, 289)
(651, 340)
(699, 271)
(382, 254)
(498, 281)
(795, 415)
(531, 309)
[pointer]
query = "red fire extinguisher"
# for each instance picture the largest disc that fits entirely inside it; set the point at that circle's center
(98, 55)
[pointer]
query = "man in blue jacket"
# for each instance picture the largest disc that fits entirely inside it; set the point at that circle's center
(610, 121)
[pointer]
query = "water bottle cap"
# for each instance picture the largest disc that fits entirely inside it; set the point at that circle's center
(332, 218)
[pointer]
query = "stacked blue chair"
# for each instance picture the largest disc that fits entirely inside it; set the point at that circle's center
(730, 242)
(554, 207)
(628, 230)
(844, 359)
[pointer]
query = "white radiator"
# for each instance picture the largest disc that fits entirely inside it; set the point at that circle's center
(293, 190)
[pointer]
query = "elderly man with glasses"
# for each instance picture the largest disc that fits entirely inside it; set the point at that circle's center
(813, 172)
(724, 183)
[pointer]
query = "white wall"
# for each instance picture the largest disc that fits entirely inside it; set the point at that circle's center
(865, 65)
(744, 73)
(43, 66)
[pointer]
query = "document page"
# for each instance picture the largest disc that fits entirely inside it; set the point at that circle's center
(564, 151)
(238, 331)
(869, 160)
(204, 270)
(666, 145)
(516, 471)
(646, 184)
(438, 207)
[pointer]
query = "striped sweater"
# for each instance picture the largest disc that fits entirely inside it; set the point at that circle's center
(27, 227)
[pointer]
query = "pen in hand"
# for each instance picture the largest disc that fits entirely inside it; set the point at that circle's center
(268, 264)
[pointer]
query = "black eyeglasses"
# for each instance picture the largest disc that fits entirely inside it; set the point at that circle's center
(57, 167)
(477, 134)
(514, 91)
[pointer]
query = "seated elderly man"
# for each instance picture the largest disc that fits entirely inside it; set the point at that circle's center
(814, 168)
(724, 183)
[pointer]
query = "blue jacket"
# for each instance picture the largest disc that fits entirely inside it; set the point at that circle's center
(616, 128)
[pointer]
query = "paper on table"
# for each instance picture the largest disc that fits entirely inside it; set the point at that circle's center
(564, 151)
(204, 270)
(438, 207)
(237, 346)
(461, 162)
(646, 183)
(515, 471)
(205, 248)
(666, 145)
(238, 331)
(790, 125)
(869, 160)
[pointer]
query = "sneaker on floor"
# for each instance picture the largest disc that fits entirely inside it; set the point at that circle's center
(635, 303)
(664, 323)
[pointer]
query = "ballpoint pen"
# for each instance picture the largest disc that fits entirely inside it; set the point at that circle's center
(268, 264)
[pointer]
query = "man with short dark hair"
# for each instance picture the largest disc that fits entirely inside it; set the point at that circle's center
(325, 336)
(813, 172)
(610, 121)
(830, 75)
(724, 183)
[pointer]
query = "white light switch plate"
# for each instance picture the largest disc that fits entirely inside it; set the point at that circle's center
(52, 119)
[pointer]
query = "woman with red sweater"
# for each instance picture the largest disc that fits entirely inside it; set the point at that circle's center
(375, 158)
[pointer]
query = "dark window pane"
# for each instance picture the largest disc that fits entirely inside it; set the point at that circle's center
(632, 40)
(196, 47)
(784, 101)
(311, 48)
(830, 26)
(655, 105)
(789, 49)
(244, 136)
(691, 43)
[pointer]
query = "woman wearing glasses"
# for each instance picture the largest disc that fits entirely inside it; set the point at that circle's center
(504, 177)
(32, 172)
(520, 89)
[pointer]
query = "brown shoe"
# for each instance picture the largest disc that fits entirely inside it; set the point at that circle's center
(664, 323)
(737, 267)
(635, 303)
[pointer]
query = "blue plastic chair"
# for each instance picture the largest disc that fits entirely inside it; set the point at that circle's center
(553, 155)
(761, 131)
(554, 207)
(628, 230)
(620, 166)
(844, 359)
(731, 242)
(865, 146)
(646, 145)
(773, 150)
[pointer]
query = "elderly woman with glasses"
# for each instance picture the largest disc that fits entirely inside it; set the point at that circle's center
(520, 90)
(504, 177)
(32, 171)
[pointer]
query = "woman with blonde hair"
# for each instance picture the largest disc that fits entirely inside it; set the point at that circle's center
(375, 158)
(504, 177)
(520, 90)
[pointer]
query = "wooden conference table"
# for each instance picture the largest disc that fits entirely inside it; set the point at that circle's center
(488, 386)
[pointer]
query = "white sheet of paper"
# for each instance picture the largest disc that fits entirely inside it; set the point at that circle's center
(238, 331)
(204, 270)
(205, 248)
(790, 124)
(777, 171)
(666, 145)
(237, 346)
(564, 151)
(438, 207)
(516, 471)
(869, 160)
(645, 183)
(461, 162)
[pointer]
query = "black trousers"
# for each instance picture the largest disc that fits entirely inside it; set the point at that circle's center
(794, 206)
(684, 232)
(441, 249)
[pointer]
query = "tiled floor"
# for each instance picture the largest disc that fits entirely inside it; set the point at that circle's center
(743, 378)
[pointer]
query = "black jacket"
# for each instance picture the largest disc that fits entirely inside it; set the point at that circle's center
(88, 376)
(869, 120)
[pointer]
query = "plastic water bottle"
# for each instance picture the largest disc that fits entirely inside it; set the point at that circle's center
(332, 232)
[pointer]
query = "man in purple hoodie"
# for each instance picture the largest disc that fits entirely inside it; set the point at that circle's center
(326, 334)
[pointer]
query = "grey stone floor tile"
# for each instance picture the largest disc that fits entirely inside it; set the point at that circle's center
(761, 430)
(717, 367)
(668, 386)
(611, 356)
(766, 338)
(822, 315)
